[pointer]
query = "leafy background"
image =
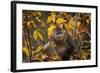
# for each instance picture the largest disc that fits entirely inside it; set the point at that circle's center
(39, 25)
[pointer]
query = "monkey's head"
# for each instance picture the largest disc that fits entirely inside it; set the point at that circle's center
(59, 34)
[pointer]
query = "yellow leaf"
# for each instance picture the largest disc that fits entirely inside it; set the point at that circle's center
(35, 35)
(78, 24)
(68, 28)
(26, 51)
(50, 30)
(40, 36)
(52, 27)
(39, 48)
(38, 57)
(39, 13)
(31, 24)
(37, 18)
(72, 22)
(84, 56)
(51, 18)
(60, 21)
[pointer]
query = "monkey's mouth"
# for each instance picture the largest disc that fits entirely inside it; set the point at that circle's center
(59, 37)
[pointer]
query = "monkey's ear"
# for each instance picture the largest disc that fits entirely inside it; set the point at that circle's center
(61, 26)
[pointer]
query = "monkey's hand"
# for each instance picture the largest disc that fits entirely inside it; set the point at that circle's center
(50, 44)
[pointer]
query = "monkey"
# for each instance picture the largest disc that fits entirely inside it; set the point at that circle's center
(60, 43)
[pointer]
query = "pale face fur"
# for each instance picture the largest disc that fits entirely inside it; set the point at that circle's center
(59, 34)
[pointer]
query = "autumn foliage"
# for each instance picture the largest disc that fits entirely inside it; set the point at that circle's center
(38, 27)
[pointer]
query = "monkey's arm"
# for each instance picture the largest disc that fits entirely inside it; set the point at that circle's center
(50, 44)
(46, 46)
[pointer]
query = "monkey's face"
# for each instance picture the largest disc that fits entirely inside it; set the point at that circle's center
(59, 34)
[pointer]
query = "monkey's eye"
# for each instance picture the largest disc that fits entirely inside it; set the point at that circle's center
(57, 33)
(60, 32)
